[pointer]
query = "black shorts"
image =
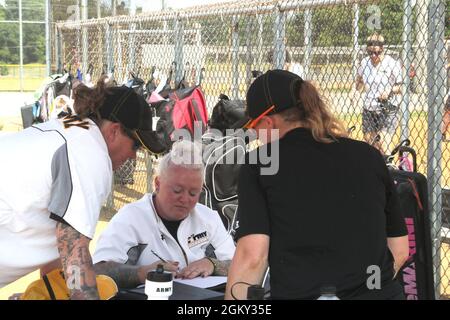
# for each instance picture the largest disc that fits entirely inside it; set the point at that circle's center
(376, 121)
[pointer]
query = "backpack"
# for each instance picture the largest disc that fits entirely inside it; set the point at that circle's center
(31, 114)
(185, 107)
(226, 113)
(223, 157)
(220, 176)
(137, 84)
(416, 274)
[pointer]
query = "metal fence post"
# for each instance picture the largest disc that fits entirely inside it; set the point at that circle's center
(248, 54)
(279, 48)
(260, 41)
(308, 44)
(20, 47)
(436, 93)
(110, 200)
(47, 38)
(132, 41)
(77, 49)
(355, 41)
(114, 7)
(84, 36)
(58, 46)
(198, 44)
(421, 46)
(109, 41)
(149, 168)
(406, 61)
(99, 15)
(178, 49)
(235, 57)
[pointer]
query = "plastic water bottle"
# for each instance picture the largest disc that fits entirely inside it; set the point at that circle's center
(159, 284)
(328, 293)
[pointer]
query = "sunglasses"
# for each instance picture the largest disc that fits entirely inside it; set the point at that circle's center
(373, 52)
(132, 135)
(375, 43)
(252, 123)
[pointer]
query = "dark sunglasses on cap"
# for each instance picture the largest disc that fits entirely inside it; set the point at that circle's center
(253, 122)
(374, 52)
(132, 135)
(375, 43)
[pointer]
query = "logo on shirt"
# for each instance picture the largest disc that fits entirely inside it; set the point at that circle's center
(196, 239)
(74, 120)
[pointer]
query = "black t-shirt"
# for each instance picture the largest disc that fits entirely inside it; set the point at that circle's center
(328, 212)
(172, 227)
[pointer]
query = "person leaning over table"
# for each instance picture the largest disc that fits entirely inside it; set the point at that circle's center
(189, 236)
(56, 175)
(327, 216)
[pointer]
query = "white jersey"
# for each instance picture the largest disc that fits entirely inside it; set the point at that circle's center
(136, 230)
(48, 173)
(379, 79)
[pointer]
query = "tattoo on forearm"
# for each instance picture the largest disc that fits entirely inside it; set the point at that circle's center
(222, 267)
(125, 276)
(77, 263)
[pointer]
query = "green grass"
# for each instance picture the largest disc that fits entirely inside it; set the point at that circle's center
(418, 133)
(33, 75)
(13, 84)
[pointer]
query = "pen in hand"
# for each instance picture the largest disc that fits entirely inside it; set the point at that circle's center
(157, 255)
(174, 264)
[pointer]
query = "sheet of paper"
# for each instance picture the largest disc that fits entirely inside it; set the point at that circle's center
(206, 282)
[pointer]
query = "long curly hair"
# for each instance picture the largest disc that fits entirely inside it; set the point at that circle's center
(313, 113)
(87, 101)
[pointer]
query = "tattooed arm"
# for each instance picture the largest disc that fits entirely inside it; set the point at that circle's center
(77, 263)
(130, 276)
(125, 276)
(220, 267)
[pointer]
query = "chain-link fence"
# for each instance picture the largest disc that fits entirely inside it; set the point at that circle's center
(22, 51)
(323, 40)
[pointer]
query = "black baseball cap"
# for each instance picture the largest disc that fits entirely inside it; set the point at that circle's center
(125, 106)
(270, 93)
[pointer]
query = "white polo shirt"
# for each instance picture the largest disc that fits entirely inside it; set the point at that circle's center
(48, 173)
(136, 230)
(379, 79)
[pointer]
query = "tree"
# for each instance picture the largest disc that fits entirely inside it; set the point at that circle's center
(332, 26)
(33, 34)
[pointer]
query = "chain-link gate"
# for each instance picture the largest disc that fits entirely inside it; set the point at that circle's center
(323, 40)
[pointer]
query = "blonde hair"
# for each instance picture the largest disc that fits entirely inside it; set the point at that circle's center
(375, 38)
(313, 113)
(184, 153)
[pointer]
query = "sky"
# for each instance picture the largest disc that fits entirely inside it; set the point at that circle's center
(151, 5)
